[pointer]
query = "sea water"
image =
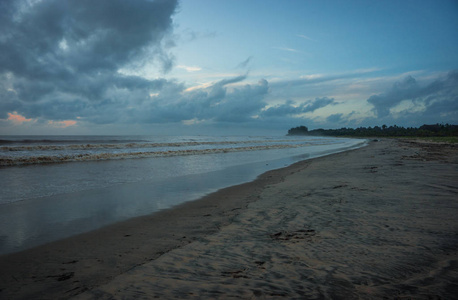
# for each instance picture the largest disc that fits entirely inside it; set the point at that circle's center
(54, 187)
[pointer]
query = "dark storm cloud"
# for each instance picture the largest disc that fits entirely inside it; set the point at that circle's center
(404, 90)
(289, 109)
(335, 118)
(243, 102)
(61, 57)
(55, 38)
(69, 53)
(439, 98)
(216, 103)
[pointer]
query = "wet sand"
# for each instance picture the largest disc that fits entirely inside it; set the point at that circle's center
(376, 222)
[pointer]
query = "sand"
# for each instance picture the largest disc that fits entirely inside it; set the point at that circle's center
(376, 222)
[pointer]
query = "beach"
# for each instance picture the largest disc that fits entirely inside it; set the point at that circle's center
(375, 222)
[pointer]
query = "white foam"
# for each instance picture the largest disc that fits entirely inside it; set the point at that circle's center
(39, 159)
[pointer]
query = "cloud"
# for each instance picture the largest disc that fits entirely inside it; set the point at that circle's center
(17, 119)
(403, 90)
(334, 118)
(287, 49)
(60, 58)
(289, 109)
(436, 99)
(69, 63)
(244, 63)
(101, 35)
(62, 124)
(215, 103)
(189, 68)
(304, 37)
(320, 78)
(189, 35)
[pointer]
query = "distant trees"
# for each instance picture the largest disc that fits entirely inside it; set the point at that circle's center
(301, 130)
(384, 131)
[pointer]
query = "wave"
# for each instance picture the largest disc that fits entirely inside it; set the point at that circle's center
(65, 141)
(14, 161)
(130, 145)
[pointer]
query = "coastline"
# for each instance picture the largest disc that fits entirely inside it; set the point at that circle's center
(304, 230)
(43, 203)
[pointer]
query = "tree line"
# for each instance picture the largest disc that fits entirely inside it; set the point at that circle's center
(383, 131)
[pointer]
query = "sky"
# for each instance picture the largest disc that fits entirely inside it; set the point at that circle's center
(199, 67)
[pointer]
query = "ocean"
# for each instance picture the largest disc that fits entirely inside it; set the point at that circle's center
(54, 187)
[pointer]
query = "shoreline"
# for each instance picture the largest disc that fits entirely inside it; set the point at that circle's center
(49, 202)
(91, 264)
(69, 257)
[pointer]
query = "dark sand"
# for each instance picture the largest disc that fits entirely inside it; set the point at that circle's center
(381, 221)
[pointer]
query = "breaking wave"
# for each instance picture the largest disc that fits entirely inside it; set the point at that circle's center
(89, 146)
(38, 159)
